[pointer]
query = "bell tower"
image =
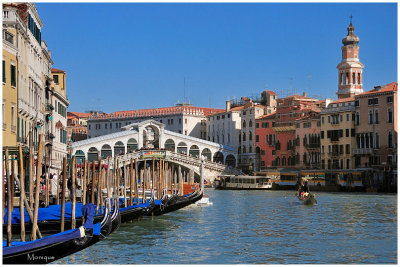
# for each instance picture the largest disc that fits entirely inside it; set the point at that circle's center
(350, 68)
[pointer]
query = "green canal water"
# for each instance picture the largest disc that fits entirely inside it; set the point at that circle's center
(248, 227)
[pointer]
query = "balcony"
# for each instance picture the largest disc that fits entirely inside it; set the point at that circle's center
(313, 146)
(49, 107)
(49, 137)
(333, 154)
(363, 151)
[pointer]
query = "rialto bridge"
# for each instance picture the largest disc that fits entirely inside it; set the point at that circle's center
(151, 135)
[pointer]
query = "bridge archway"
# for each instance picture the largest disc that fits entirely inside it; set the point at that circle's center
(206, 153)
(219, 157)
(170, 145)
(194, 151)
(93, 154)
(119, 148)
(132, 145)
(230, 160)
(106, 151)
(80, 156)
(182, 148)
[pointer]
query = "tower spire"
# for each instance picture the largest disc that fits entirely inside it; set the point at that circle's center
(350, 68)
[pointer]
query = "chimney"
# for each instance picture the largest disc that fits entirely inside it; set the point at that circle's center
(304, 94)
(228, 105)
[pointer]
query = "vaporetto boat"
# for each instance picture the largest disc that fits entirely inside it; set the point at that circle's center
(243, 182)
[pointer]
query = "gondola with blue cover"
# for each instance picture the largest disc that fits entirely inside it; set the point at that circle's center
(57, 246)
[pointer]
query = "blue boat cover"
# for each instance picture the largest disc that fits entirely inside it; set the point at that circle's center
(88, 213)
(20, 247)
(96, 229)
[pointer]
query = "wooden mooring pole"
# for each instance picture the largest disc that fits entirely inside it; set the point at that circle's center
(73, 178)
(22, 193)
(64, 188)
(38, 174)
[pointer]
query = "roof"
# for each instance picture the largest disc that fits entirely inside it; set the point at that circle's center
(57, 70)
(268, 116)
(78, 114)
(160, 112)
(342, 100)
(300, 97)
(270, 92)
(385, 88)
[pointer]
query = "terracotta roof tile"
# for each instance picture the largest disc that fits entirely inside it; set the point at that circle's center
(57, 70)
(342, 100)
(160, 112)
(78, 114)
(270, 92)
(385, 88)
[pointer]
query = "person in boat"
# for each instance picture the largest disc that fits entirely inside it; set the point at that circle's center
(305, 188)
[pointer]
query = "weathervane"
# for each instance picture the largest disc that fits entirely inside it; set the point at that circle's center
(351, 18)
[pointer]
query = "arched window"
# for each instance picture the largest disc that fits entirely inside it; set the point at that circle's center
(354, 78)
(250, 136)
(347, 78)
(250, 123)
(359, 78)
(244, 124)
(390, 115)
(244, 136)
(244, 149)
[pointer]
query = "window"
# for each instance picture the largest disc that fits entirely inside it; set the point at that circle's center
(358, 118)
(89, 126)
(110, 125)
(341, 118)
(244, 124)
(185, 121)
(55, 78)
(353, 132)
(373, 101)
(329, 119)
(389, 99)
(250, 124)
(357, 103)
(347, 132)
(13, 75)
(257, 138)
(322, 134)
(322, 120)
(390, 140)
(390, 115)
(180, 121)
(376, 116)
(4, 71)
(347, 117)
(323, 149)
(187, 134)
(258, 125)
(106, 125)
(250, 136)
(370, 117)
(172, 121)
(347, 148)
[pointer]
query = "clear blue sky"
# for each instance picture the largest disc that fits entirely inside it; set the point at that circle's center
(135, 55)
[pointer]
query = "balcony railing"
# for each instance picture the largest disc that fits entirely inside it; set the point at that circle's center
(363, 151)
(334, 153)
(49, 107)
(313, 146)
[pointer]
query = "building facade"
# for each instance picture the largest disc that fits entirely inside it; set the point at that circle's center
(10, 80)
(376, 127)
(338, 134)
(183, 119)
(77, 125)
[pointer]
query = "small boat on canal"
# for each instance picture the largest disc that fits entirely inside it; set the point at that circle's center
(306, 198)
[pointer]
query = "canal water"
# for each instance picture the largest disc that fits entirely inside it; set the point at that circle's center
(258, 227)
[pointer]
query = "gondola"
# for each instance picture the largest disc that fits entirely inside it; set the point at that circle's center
(49, 217)
(136, 211)
(307, 199)
(57, 246)
(175, 202)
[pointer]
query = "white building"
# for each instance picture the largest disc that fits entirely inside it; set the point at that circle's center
(183, 119)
